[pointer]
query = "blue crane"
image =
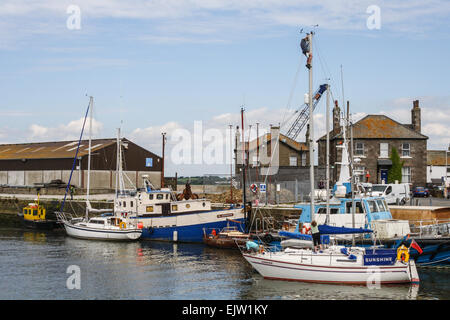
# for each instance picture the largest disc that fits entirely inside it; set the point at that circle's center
(303, 117)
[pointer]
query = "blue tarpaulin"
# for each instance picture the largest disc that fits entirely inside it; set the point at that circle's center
(324, 239)
(325, 229)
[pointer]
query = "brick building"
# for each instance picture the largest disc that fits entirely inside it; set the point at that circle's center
(374, 137)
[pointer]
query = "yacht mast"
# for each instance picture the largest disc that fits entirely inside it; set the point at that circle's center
(328, 154)
(311, 126)
(91, 102)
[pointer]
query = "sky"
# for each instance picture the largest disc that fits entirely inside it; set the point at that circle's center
(187, 67)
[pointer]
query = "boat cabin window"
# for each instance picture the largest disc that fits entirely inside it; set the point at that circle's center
(150, 196)
(97, 221)
(167, 196)
(377, 206)
(382, 205)
(35, 212)
(131, 204)
(332, 210)
(159, 196)
(124, 204)
(358, 207)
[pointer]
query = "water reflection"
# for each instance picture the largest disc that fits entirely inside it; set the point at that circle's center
(34, 264)
(274, 289)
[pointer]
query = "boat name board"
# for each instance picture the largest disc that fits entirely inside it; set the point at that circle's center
(379, 259)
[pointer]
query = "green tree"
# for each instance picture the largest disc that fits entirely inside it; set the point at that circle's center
(395, 172)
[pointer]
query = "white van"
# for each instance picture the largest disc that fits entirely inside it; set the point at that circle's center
(394, 193)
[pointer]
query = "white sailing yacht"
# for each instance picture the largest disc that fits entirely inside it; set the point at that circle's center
(103, 227)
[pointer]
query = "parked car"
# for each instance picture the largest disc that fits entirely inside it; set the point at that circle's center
(421, 192)
(55, 184)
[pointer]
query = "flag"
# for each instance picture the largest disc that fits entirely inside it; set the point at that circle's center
(416, 246)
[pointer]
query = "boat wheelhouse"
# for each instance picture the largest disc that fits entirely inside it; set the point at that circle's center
(34, 215)
(370, 212)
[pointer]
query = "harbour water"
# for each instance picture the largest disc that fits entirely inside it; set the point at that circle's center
(34, 265)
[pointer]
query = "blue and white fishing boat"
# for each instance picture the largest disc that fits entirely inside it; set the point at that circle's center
(166, 218)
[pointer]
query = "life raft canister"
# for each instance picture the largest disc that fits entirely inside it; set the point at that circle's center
(402, 253)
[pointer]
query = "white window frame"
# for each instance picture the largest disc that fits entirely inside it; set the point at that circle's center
(408, 150)
(406, 175)
(359, 151)
(291, 161)
(303, 161)
(384, 153)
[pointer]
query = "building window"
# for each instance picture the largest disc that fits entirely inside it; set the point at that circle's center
(384, 150)
(359, 149)
(406, 174)
(303, 159)
(406, 150)
(293, 161)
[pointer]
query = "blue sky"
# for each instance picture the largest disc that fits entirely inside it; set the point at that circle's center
(161, 65)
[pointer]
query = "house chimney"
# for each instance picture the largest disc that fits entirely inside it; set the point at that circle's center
(336, 117)
(415, 116)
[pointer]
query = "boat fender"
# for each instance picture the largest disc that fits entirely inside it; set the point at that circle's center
(402, 254)
(123, 225)
(268, 238)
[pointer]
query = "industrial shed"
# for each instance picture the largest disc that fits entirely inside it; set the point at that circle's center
(32, 164)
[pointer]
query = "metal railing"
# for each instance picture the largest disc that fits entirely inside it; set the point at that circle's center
(431, 227)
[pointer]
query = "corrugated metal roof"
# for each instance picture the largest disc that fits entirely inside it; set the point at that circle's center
(51, 150)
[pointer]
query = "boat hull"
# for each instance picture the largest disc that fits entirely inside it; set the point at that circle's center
(436, 251)
(97, 234)
(190, 227)
(40, 224)
(270, 267)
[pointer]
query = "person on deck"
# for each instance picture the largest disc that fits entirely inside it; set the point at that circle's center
(315, 235)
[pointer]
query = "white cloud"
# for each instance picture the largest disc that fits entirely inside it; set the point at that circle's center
(69, 131)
